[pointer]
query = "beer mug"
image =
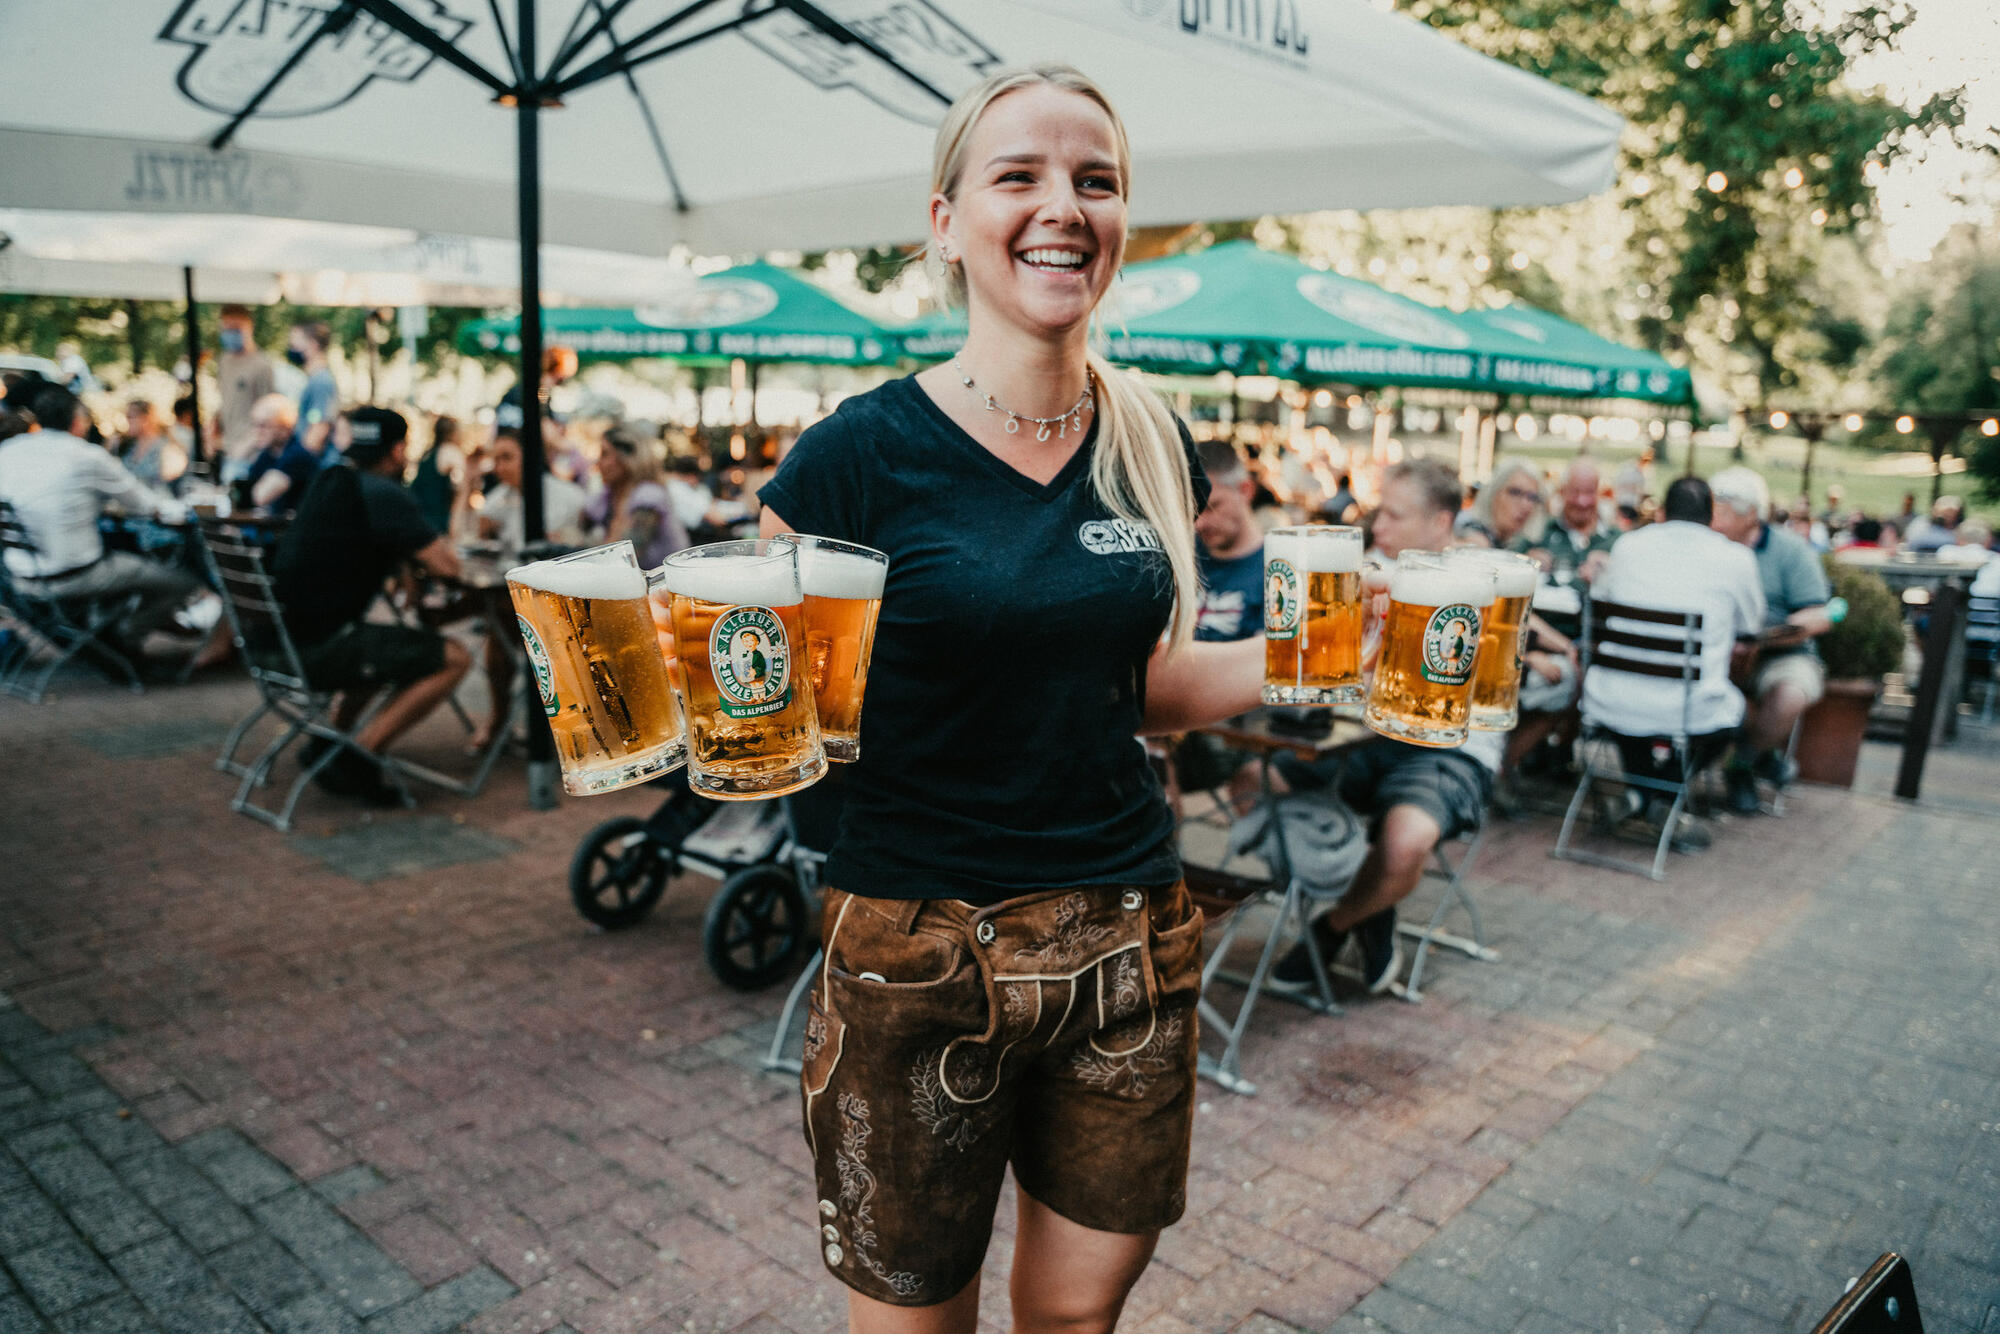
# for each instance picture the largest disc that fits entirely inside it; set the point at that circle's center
(738, 626)
(598, 667)
(1496, 680)
(843, 591)
(1430, 645)
(1312, 615)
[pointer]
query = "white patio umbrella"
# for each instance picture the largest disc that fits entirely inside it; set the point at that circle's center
(781, 124)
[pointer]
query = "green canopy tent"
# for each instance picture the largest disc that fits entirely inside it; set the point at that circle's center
(1238, 308)
(755, 312)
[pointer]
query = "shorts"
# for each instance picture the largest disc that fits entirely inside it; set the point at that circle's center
(1447, 785)
(1540, 695)
(367, 655)
(1803, 672)
(1055, 1031)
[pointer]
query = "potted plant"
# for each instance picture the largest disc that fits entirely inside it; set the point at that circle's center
(1866, 646)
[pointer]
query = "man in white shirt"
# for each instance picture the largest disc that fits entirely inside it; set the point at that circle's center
(1679, 564)
(58, 484)
(694, 503)
(500, 516)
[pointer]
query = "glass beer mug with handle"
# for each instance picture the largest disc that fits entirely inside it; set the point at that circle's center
(598, 667)
(1312, 615)
(1496, 680)
(1430, 646)
(739, 637)
(843, 591)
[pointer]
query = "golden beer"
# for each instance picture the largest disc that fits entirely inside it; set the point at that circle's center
(598, 668)
(1312, 615)
(1430, 645)
(843, 595)
(1496, 680)
(738, 627)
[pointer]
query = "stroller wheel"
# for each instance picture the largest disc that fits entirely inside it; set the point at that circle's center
(755, 926)
(618, 873)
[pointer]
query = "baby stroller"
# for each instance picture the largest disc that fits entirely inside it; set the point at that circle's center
(767, 854)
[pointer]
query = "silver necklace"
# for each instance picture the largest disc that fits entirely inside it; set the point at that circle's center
(1062, 421)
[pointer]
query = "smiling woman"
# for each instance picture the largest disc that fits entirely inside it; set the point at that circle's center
(1011, 960)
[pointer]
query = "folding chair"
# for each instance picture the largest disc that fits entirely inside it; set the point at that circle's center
(271, 657)
(66, 627)
(1673, 641)
(1982, 645)
(1454, 895)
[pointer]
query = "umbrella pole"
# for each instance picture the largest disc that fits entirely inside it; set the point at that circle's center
(194, 366)
(542, 769)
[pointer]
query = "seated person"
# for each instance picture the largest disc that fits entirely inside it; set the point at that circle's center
(1679, 564)
(1789, 675)
(58, 484)
(634, 504)
(1231, 554)
(705, 518)
(500, 514)
(355, 527)
(1417, 795)
(282, 468)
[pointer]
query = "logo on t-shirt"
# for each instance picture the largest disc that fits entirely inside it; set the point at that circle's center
(752, 662)
(1281, 599)
(1451, 640)
(1109, 537)
(538, 659)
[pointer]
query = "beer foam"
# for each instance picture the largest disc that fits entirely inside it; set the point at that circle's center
(741, 581)
(1282, 546)
(1330, 553)
(1516, 576)
(1440, 585)
(581, 578)
(827, 573)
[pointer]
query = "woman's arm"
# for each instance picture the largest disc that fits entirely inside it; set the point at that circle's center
(1202, 683)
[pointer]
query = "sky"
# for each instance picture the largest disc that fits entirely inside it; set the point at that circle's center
(1950, 44)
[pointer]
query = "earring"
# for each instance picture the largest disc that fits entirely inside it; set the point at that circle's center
(944, 253)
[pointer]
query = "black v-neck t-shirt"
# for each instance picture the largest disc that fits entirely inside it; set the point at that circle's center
(999, 750)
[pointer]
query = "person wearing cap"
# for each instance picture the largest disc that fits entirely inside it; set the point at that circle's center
(357, 526)
(1789, 676)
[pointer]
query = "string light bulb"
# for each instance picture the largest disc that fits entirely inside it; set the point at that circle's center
(1852, 421)
(1780, 420)
(1717, 182)
(1990, 427)
(1906, 424)
(1794, 178)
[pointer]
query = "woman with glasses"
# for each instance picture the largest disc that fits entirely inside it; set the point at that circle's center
(1507, 505)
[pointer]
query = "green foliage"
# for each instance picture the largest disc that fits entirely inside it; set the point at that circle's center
(1747, 88)
(1868, 645)
(1941, 347)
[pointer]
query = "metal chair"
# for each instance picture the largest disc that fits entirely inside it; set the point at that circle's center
(1672, 639)
(1455, 895)
(66, 627)
(1982, 645)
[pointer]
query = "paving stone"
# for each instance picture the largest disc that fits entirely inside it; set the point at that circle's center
(346, 1261)
(399, 847)
(186, 1199)
(207, 1313)
(164, 1272)
(17, 1317)
(447, 1306)
(245, 1172)
(28, 1219)
(61, 1275)
(115, 1219)
(115, 1136)
(344, 1185)
(263, 1274)
(61, 1163)
(115, 1315)
(317, 1314)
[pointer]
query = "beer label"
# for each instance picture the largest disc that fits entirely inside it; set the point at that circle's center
(538, 658)
(1284, 607)
(1451, 641)
(752, 662)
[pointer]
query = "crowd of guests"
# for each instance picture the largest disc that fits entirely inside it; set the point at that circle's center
(1718, 546)
(348, 505)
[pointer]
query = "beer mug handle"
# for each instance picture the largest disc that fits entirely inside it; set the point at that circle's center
(660, 603)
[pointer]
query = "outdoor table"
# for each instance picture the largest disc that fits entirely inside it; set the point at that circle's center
(1914, 579)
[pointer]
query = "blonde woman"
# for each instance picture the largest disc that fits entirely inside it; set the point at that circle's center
(1011, 958)
(1508, 504)
(633, 503)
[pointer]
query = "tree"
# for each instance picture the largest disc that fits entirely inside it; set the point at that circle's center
(1745, 147)
(1941, 349)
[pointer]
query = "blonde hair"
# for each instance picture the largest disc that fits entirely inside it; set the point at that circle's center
(1140, 468)
(1504, 472)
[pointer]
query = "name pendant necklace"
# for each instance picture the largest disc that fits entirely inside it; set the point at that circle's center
(1061, 423)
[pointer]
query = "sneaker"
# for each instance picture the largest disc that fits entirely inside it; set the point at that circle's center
(349, 775)
(1617, 808)
(311, 749)
(1381, 955)
(1774, 768)
(1741, 796)
(1294, 972)
(1690, 836)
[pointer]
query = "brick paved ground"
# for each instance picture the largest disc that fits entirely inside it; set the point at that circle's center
(381, 1075)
